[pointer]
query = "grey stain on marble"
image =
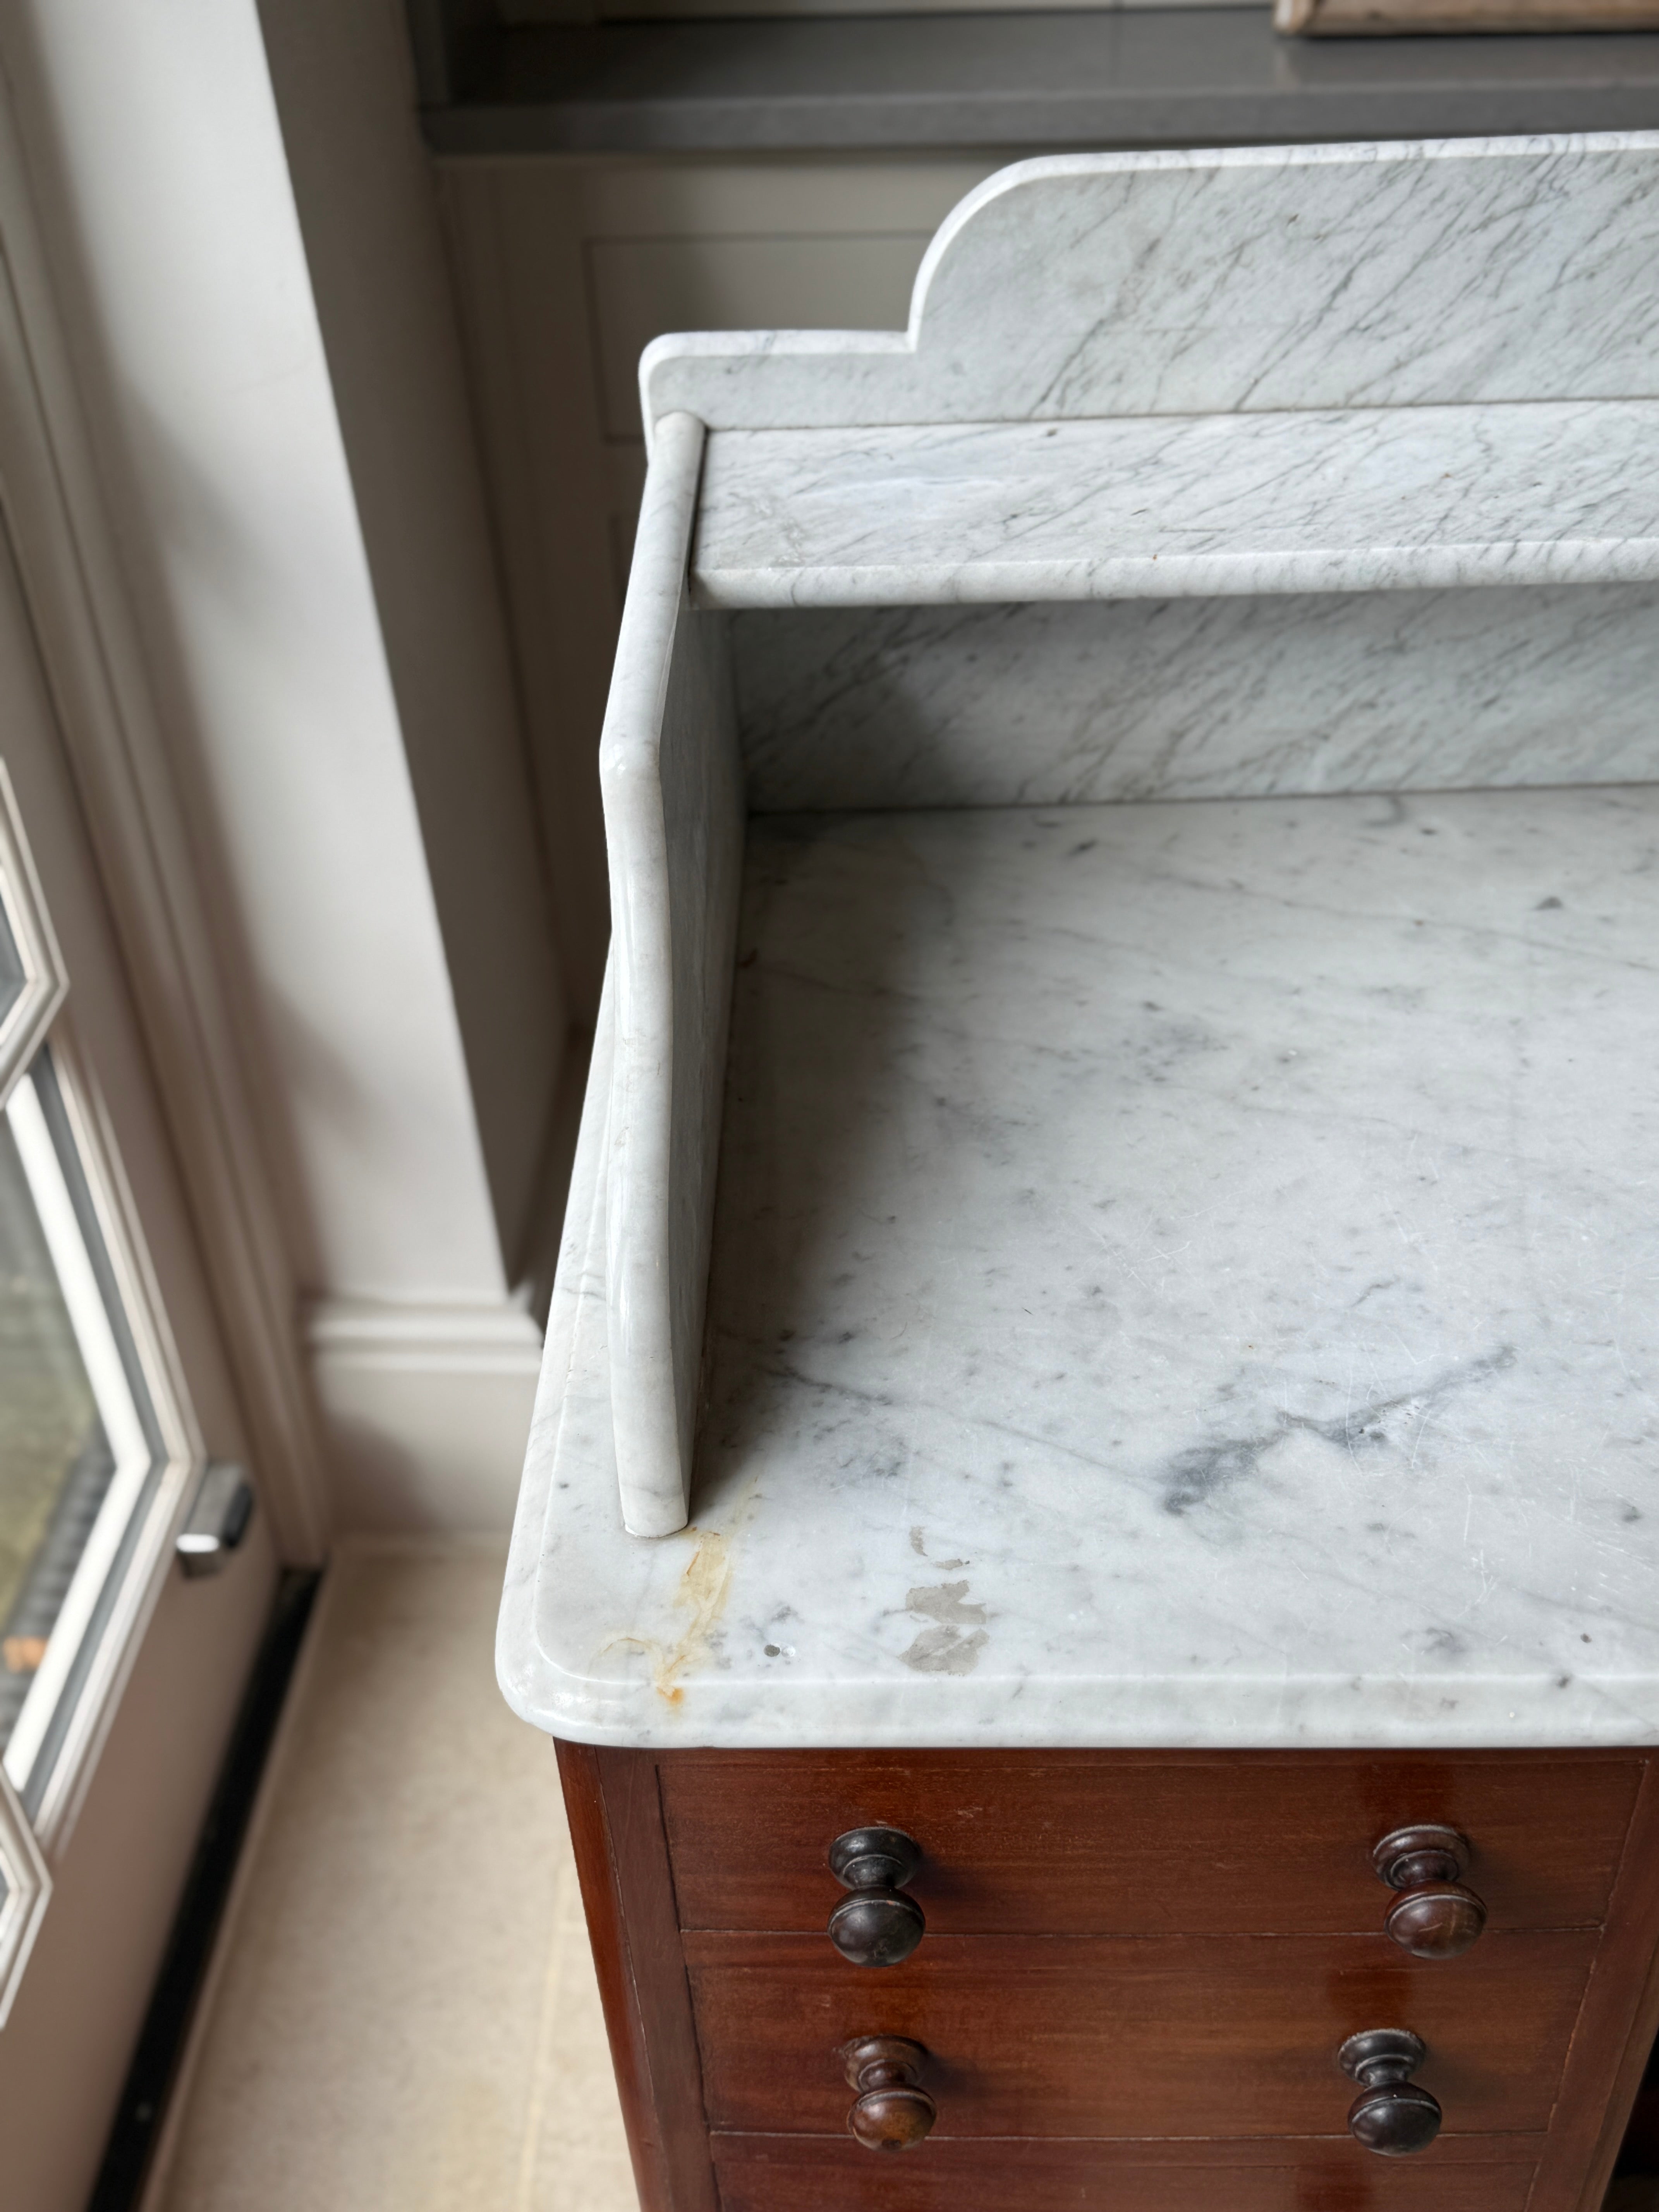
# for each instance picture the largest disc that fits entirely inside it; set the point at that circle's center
(1203, 1471)
(945, 1601)
(918, 1546)
(1441, 1644)
(1199, 1473)
(944, 1649)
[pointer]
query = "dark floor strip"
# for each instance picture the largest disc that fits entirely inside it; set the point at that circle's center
(162, 2041)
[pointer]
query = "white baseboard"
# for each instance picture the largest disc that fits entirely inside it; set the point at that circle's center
(427, 1411)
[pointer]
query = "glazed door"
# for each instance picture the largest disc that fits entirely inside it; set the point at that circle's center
(119, 1670)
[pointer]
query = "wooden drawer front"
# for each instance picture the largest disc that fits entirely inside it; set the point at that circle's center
(763, 2174)
(1121, 1843)
(1168, 2036)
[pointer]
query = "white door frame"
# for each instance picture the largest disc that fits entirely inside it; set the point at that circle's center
(116, 1802)
(87, 637)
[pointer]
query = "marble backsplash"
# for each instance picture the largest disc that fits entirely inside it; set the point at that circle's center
(1047, 703)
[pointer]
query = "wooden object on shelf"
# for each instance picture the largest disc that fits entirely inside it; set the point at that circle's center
(1350, 18)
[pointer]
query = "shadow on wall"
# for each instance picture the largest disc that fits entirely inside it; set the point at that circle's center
(472, 1426)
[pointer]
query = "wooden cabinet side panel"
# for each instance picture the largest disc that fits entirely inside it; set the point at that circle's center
(622, 1862)
(1615, 2031)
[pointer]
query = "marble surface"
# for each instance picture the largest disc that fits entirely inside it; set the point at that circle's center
(1154, 507)
(673, 815)
(1321, 277)
(1042, 704)
(1186, 1273)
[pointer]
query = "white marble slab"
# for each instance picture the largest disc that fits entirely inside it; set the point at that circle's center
(1043, 704)
(1279, 276)
(1154, 507)
(1185, 1275)
(673, 816)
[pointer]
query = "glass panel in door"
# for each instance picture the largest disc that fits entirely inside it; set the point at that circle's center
(80, 1450)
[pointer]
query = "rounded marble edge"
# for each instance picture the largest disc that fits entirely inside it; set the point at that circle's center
(1382, 568)
(1334, 1714)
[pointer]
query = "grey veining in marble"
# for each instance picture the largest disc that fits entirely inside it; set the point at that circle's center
(1187, 1274)
(1183, 1274)
(1197, 698)
(1375, 499)
(1411, 274)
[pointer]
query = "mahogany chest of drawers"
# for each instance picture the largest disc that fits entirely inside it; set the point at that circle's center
(1135, 1973)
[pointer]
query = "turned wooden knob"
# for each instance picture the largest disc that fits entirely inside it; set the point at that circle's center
(891, 2112)
(1435, 1915)
(1391, 2115)
(876, 1925)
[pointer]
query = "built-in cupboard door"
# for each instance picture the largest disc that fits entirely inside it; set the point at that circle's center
(119, 1671)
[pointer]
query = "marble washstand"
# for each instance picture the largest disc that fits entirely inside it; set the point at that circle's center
(1089, 1540)
(1118, 1203)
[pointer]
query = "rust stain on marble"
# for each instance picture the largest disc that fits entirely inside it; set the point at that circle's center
(704, 1588)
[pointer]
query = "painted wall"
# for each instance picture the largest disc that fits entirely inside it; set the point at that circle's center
(328, 664)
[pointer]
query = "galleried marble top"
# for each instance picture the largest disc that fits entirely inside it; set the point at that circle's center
(1185, 1272)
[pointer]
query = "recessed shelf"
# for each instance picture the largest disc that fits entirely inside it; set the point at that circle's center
(1176, 506)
